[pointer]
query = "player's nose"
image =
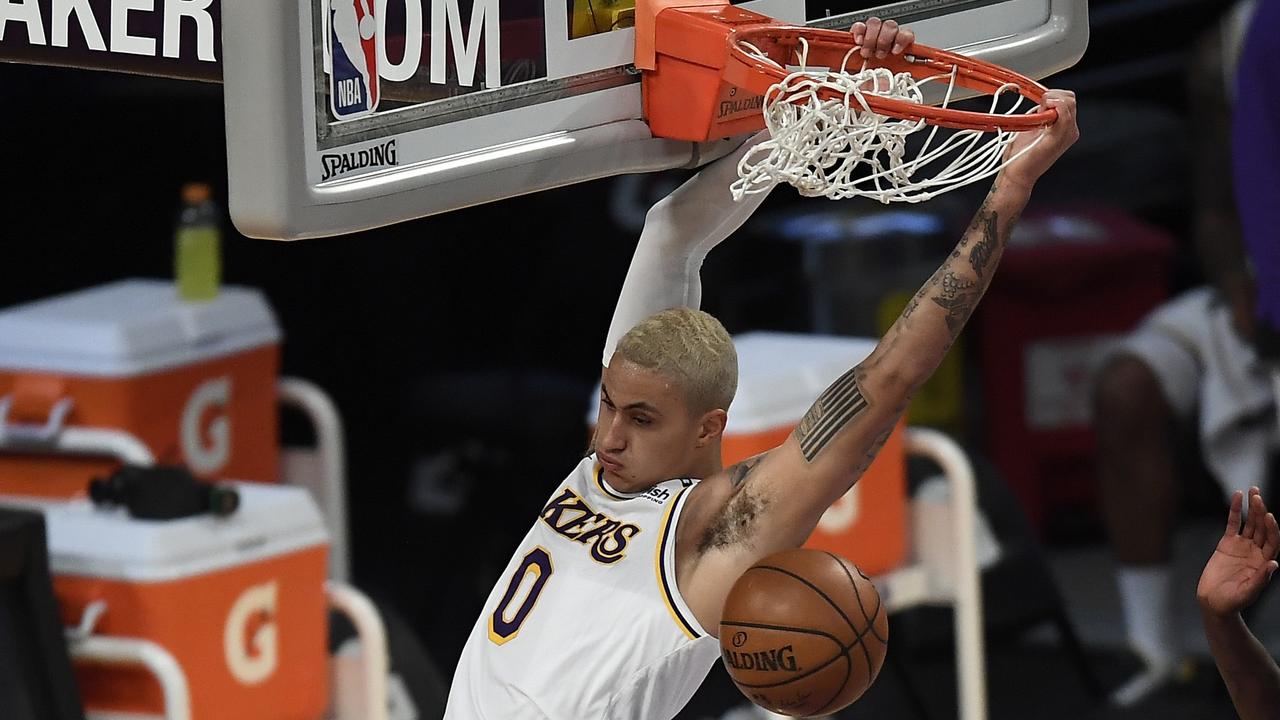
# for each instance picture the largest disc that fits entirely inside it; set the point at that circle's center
(612, 435)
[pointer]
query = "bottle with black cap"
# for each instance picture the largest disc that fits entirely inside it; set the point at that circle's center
(162, 493)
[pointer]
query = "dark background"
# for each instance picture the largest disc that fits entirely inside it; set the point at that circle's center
(461, 349)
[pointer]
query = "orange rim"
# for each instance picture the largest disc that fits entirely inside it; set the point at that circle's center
(827, 48)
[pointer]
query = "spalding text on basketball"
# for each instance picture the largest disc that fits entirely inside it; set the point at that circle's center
(569, 515)
(783, 658)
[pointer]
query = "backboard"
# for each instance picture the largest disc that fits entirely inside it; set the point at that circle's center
(344, 115)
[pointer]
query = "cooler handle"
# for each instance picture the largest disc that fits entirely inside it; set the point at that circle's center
(75, 440)
(133, 651)
(31, 432)
(373, 644)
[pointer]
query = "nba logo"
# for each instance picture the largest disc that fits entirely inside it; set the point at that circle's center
(353, 38)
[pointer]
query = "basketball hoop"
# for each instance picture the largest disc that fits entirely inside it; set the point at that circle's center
(839, 123)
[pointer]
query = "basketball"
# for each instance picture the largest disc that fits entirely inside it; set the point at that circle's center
(803, 633)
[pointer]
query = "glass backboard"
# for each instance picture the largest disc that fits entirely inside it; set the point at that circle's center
(343, 115)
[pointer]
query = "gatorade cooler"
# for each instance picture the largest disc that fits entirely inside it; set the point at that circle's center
(237, 601)
(779, 377)
(194, 382)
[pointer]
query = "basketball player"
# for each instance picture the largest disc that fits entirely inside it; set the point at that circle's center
(1192, 369)
(610, 606)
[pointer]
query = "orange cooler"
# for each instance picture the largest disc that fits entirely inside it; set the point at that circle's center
(238, 602)
(194, 381)
(779, 377)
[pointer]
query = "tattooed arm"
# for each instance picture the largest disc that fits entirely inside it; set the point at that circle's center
(773, 501)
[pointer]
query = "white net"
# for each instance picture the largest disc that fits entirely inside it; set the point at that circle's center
(840, 148)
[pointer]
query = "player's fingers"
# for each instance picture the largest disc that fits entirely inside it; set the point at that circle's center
(859, 31)
(905, 39)
(884, 42)
(1271, 543)
(872, 37)
(1064, 100)
(1254, 515)
(1233, 515)
(1064, 126)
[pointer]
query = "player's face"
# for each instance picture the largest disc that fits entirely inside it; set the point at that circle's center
(646, 433)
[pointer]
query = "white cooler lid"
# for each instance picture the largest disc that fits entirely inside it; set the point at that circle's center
(131, 327)
(780, 375)
(272, 520)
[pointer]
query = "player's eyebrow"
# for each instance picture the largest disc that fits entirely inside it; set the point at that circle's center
(638, 405)
(642, 405)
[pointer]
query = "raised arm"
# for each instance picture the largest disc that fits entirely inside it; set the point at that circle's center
(774, 501)
(679, 231)
(1239, 568)
(682, 228)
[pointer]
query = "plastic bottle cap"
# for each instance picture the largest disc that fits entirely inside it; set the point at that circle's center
(195, 193)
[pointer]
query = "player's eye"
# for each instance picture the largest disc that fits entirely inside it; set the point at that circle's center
(641, 420)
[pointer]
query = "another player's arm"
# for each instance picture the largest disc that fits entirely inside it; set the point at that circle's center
(773, 502)
(1236, 573)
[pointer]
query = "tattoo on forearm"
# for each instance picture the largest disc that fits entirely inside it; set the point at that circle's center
(981, 253)
(832, 411)
(958, 298)
(915, 300)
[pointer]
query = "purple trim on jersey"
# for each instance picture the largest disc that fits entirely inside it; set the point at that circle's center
(668, 532)
(1256, 154)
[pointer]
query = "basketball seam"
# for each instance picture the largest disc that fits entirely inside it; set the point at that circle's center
(848, 670)
(787, 628)
(843, 652)
(871, 621)
(821, 594)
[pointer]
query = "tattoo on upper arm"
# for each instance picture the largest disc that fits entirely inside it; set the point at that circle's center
(738, 473)
(874, 450)
(830, 413)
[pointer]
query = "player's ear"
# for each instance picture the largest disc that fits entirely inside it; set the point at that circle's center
(711, 426)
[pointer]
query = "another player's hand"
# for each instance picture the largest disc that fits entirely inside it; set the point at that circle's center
(1059, 136)
(878, 38)
(1244, 560)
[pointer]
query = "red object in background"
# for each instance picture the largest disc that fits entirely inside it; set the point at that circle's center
(1071, 283)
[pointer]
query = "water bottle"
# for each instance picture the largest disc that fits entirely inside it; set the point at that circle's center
(197, 241)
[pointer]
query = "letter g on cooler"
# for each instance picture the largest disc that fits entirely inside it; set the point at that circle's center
(208, 451)
(250, 638)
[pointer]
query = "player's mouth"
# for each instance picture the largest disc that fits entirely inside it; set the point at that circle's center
(608, 462)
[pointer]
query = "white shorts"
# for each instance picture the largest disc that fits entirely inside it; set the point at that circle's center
(1203, 365)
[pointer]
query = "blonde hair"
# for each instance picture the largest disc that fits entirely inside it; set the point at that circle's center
(690, 347)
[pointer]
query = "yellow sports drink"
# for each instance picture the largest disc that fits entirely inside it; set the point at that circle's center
(197, 251)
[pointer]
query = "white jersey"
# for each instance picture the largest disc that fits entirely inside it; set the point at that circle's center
(587, 622)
